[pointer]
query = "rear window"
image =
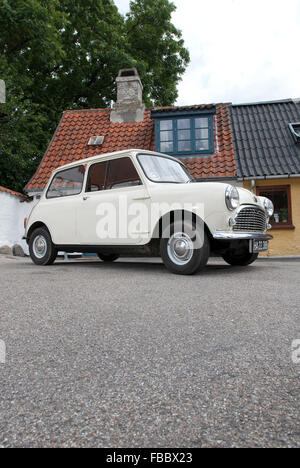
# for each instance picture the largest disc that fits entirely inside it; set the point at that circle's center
(66, 183)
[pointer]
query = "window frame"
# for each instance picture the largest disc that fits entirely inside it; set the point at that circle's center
(296, 135)
(191, 118)
(287, 188)
(88, 173)
(107, 161)
(71, 194)
(166, 157)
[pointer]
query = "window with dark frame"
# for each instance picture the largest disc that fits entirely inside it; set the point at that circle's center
(185, 135)
(280, 195)
(116, 173)
(295, 130)
(122, 173)
(96, 177)
(66, 182)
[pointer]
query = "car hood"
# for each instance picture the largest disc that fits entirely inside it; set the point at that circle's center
(212, 188)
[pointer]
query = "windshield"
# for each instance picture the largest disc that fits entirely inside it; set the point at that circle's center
(161, 169)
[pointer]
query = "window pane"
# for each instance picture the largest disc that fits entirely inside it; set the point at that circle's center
(201, 133)
(279, 198)
(184, 134)
(122, 173)
(160, 169)
(183, 123)
(166, 136)
(96, 177)
(297, 129)
(67, 182)
(166, 147)
(166, 124)
(201, 122)
(202, 145)
(184, 146)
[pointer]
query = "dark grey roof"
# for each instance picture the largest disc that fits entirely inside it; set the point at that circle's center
(263, 142)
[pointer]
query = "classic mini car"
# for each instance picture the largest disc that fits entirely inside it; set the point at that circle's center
(142, 202)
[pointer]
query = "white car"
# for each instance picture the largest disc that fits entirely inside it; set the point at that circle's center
(143, 202)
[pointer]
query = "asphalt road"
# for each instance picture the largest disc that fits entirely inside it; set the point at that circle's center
(129, 355)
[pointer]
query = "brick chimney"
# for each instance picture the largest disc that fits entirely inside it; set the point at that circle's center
(129, 106)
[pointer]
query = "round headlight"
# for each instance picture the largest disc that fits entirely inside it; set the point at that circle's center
(269, 207)
(232, 198)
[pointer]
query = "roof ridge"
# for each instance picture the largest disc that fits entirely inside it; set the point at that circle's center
(100, 109)
(258, 103)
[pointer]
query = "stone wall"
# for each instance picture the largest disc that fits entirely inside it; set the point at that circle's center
(12, 214)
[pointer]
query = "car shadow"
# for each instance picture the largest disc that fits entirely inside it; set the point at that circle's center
(149, 266)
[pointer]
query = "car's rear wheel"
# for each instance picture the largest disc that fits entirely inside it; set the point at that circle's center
(184, 249)
(108, 257)
(240, 259)
(41, 248)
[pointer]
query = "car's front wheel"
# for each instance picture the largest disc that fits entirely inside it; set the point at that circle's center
(108, 257)
(240, 258)
(184, 249)
(41, 248)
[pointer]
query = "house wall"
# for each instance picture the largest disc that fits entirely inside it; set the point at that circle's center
(12, 214)
(286, 241)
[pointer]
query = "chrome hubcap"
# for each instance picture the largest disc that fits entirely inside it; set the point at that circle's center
(180, 248)
(39, 246)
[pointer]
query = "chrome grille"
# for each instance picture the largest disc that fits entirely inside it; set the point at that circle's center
(250, 219)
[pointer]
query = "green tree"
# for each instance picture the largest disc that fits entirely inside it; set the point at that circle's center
(62, 54)
(29, 45)
(158, 47)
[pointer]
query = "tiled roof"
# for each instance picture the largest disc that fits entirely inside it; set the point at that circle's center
(70, 143)
(11, 192)
(264, 145)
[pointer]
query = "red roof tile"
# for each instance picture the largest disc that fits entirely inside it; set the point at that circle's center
(70, 143)
(11, 192)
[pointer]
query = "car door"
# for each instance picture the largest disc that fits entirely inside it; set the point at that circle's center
(59, 205)
(115, 206)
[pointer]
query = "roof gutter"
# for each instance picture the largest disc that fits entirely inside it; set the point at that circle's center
(284, 176)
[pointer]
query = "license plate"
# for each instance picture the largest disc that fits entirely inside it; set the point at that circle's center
(258, 245)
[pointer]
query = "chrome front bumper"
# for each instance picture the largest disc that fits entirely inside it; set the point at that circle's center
(241, 236)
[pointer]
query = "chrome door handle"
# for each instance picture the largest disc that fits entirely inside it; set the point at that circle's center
(85, 197)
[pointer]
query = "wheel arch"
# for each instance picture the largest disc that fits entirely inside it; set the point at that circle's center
(36, 225)
(176, 214)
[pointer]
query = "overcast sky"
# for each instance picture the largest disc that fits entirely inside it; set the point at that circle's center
(241, 50)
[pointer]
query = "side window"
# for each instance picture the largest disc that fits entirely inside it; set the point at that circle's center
(66, 183)
(281, 198)
(96, 177)
(122, 173)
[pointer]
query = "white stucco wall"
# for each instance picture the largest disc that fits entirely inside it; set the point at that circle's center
(12, 214)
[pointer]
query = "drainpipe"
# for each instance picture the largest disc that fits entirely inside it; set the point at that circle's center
(252, 185)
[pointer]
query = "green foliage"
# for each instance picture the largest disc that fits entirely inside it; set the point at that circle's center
(64, 54)
(158, 47)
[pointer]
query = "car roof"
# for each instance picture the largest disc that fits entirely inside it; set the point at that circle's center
(104, 156)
